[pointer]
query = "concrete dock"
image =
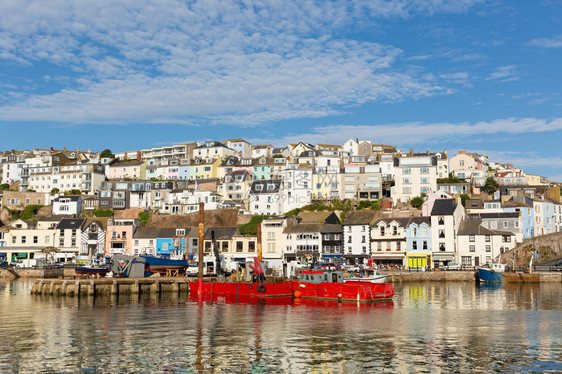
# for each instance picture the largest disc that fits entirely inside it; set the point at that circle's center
(110, 286)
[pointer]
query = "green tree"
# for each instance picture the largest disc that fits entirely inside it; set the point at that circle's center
(55, 191)
(4, 187)
(106, 153)
(30, 190)
(464, 197)
(143, 217)
(417, 202)
(491, 185)
(73, 192)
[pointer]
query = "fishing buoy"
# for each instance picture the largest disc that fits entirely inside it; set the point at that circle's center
(297, 294)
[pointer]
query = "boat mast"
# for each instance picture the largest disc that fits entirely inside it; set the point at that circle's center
(201, 232)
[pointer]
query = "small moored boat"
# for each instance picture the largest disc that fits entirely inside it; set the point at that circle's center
(330, 285)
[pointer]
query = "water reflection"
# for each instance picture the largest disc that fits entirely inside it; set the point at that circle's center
(428, 327)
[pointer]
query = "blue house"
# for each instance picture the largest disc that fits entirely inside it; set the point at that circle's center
(418, 243)
(171, 242)
(526, 213)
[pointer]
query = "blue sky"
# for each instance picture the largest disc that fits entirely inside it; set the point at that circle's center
(424, 74)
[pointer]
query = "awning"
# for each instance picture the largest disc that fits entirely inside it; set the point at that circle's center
(388, 257)
(331, 256)
(357, 256)
(443, 256)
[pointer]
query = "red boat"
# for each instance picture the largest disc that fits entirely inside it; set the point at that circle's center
(262, 289)
(329, 285)
(257, 289)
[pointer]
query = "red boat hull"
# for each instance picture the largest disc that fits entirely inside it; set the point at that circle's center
(242, 288)
(356, 291)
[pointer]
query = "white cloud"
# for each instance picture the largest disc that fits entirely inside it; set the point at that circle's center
(504, 74)
(555, 42)
(245, 64)
(412, 133)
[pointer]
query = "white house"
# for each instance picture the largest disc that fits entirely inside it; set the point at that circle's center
(478, 245)
(357, 236)
(266, 197)
(67, 205)
(446, 217)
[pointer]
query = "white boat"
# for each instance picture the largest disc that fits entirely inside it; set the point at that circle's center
(372, 277)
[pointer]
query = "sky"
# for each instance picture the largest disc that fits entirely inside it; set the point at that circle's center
(475, 75)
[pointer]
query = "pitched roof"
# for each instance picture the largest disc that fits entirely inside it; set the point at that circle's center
(473, 226)
(312, 227)
(276, 183)
(360, 218)
(70, 197)
(514, 204)
(402, 221)
(419, 220)
(221, 233)
(495, 215)
(317, 217)
(71, 223)
(444, 207)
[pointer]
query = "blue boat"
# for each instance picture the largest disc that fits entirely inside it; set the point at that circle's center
(491, 273)
(161, 265)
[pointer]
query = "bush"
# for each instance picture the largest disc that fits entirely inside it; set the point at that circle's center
(103, 213)
(4, 187)
(251, 228)
(144, 216)
(417, 202)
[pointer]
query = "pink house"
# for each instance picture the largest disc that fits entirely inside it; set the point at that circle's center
(119, 236)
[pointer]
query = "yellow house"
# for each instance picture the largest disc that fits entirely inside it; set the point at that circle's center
(205, 168)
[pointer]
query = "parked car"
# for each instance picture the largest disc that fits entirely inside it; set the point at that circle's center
(451, 266)
(329, 265)
(557, 266)
(3, 264)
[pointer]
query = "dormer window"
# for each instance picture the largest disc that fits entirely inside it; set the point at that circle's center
(259, 187)
(180, 232)
(262, 161)
(270, 187)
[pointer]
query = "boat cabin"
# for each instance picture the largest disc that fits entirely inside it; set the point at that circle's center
(315, 276)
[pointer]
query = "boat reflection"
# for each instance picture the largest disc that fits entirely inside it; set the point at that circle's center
(207, 298)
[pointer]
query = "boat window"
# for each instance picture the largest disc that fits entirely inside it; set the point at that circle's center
(334, 278)
(325, 277)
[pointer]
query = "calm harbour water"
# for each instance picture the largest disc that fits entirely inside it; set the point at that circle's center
(429, 327)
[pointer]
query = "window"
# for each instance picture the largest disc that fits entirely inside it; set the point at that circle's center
(225, 246)
(407, 171)
(487, 238)
(35, 239)
(207, 246)
(239, 246)
(425, 180)
(505, 224)
(251, 246)
(466, 261)
(442, 247)
(471, 238)
(73, 242)
(61, 242)
(441, 221)
(424, 171)
(414, 245)
(14, 239)
(472, 248)
(406, 180)
(441, 233)
(488, 248)
(23, 239)
(271, 235)
(506, 238)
